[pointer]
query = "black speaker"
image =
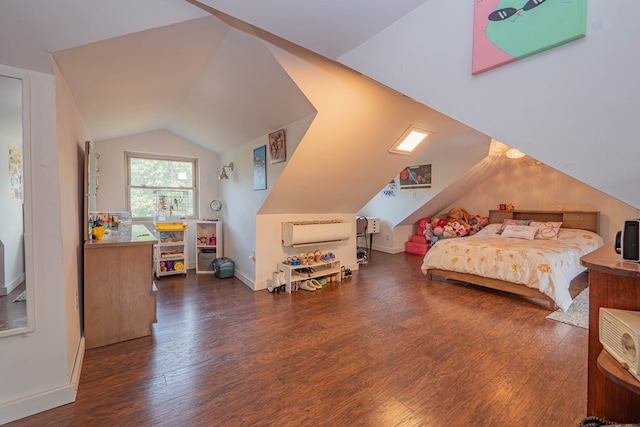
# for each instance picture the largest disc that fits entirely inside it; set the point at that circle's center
(628, 241)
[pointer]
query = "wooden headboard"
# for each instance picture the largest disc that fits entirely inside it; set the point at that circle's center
(585, 220)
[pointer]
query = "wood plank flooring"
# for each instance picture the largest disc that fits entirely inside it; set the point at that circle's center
(13, 314)
(384, 348)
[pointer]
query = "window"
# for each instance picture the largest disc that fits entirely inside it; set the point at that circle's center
(160, 187)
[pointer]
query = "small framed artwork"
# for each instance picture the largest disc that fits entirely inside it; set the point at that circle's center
(260, 168)
(15, 175)
(277, 146)
(414, 177)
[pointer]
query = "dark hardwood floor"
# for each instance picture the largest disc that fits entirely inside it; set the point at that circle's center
(13, 314)
(384, 348)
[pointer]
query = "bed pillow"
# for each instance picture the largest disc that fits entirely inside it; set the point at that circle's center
(489, 230)
(506, 222)
(526, 232)
(546, 230)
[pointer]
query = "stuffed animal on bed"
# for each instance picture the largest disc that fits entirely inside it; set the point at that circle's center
(459, 229)
(437, 226)
(460, 215)
(477, 223)
(427, 232)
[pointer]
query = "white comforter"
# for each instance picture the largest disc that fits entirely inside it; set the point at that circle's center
(547, 265)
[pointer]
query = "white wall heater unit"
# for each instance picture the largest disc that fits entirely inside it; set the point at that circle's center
(307, 233)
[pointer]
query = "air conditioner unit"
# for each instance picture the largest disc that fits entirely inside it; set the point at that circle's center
(620, 336)
(307, 233)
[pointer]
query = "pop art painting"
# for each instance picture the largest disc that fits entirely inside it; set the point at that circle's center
(507, 30)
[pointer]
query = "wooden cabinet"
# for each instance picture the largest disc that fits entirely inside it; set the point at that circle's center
(614, 284)
(208, 245)
(119, 293)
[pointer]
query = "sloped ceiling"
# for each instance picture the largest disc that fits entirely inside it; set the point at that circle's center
(32, 29)
(328, 27)
(214, 85)
(169, 64)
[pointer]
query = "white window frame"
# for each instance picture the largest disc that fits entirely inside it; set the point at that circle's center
(148, 156)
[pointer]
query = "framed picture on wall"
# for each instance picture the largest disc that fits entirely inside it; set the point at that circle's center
(414, 177)
(277, 146)
(260, 168)
(15, 175)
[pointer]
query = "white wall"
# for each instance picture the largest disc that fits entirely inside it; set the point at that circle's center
(445, 169)
(345, 151)
(241, 206)
(572, 107)
(35, 367)
(72, 134)
(543, 188)
(112, 175)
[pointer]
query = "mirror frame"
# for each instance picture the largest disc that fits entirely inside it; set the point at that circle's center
(27, 209)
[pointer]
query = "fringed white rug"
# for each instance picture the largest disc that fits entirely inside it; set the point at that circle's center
(578, 312)
(21, 297)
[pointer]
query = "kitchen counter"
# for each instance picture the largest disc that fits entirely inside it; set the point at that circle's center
(119, 291)
(125, 235)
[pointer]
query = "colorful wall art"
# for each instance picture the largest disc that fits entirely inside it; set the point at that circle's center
(260, 168)
(413, 177)
(507, 30)
(15, 175)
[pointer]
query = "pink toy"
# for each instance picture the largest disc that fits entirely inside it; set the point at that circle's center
(448, 231)
(459, 229)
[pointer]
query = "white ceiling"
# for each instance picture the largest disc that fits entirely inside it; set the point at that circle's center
(136, 66)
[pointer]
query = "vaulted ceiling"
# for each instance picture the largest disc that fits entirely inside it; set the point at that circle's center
(195, 69)
(170, 64)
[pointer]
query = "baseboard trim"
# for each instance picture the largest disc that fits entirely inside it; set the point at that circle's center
(49, 399)
(244, 279)
(9, 287)
(77, 366)
(388, 250)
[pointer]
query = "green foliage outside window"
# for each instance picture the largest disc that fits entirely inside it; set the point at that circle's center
(161, 186)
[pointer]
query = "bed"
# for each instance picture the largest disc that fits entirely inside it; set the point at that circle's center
(540, 268)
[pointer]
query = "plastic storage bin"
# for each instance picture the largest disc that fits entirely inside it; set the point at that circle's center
(223, 268)
(205, 259)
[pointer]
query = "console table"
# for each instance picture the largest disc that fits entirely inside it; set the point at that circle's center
(613, 284)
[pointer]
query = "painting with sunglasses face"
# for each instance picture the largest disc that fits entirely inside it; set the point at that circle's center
(507, 30)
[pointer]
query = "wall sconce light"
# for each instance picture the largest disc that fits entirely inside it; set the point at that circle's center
(514, 153)
(223, 173)
(409, 140)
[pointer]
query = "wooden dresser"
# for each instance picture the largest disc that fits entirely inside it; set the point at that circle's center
(119, 292)
(611, 394)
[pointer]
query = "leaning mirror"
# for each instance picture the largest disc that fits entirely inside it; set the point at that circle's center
(16, 289)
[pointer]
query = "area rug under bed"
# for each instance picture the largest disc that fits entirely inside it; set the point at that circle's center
(578, 312)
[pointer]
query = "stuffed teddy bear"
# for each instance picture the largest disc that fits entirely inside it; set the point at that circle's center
(460, 215)
(461, 230)
(437, 226)
(448, 231)
(428, 233)
(477, 223)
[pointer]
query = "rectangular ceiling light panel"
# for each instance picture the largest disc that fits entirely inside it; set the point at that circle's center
(409, 140)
